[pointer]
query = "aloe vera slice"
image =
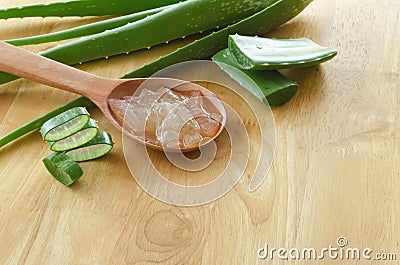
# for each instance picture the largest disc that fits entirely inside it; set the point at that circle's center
(77, 139)
(37, 123)
(63, 168)
(276, 88)
(97, 147)
(258, 53)
(65, 124)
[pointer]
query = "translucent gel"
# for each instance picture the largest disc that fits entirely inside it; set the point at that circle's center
(168, 117)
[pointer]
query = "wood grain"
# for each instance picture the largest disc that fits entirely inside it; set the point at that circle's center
(336, 169)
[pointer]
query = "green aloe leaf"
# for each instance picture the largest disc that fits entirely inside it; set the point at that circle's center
(261, 22)
(183, 19)
(258, 53)
(83, 8)
(84, 30)
(276, 88)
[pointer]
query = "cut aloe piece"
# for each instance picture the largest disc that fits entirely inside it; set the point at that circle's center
(258, 53)
(63, 168)
(276, 88)
(97, 147)
(77, 139)
(65, 124)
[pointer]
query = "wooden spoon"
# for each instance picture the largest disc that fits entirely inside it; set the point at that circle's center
(99, 90)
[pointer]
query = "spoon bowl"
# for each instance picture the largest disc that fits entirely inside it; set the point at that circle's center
(213, 104)
(100, 90)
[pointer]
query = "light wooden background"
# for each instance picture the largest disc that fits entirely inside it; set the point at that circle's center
(336, 170)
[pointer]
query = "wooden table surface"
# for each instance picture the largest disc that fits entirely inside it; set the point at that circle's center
(336, 169)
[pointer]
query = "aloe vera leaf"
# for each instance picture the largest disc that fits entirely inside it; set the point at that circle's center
(84, 30)
(182, 19)
(84, 8)
(186, 18)
(37, 123)
(268, 54)
(263, 21)
(276, 88)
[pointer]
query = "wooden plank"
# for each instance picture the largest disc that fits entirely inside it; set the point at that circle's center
(335, 173)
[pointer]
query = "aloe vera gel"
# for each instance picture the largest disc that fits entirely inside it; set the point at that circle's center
(170, 118)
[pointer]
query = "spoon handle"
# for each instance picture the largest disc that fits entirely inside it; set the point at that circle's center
(23, 63)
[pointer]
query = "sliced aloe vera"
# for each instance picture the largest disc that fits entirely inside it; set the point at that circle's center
(258, 53)
(276, 88)
(65, 124)
(37, 123)
(97, 147)
(63, 168)
(77, 139)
